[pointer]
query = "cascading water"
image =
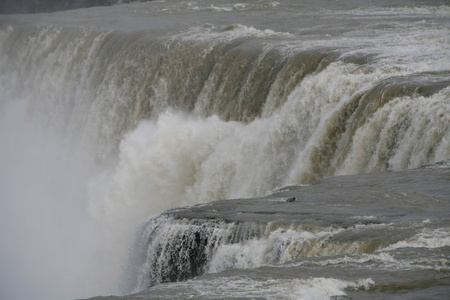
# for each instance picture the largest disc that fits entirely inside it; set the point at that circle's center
(104, 125)
(322, 220)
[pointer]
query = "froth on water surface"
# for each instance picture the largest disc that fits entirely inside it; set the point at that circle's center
(371, 236)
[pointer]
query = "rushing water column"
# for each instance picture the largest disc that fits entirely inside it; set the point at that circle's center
(110, 115)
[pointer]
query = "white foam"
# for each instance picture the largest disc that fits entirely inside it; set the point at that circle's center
(238, 286)
(210, 33)
(427, 238)
(280, 246)
(325, 288)
(230, 7)
(379, 260)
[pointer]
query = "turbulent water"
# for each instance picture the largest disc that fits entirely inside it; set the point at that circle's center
(368, 236)
(112, 115)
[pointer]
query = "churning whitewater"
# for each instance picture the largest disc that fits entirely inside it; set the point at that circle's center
(122, 126)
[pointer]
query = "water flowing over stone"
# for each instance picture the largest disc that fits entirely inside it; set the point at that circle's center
(111, 115)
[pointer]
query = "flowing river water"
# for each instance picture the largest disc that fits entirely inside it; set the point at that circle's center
(124, 129)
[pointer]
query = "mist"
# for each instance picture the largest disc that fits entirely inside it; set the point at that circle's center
(50, 243)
